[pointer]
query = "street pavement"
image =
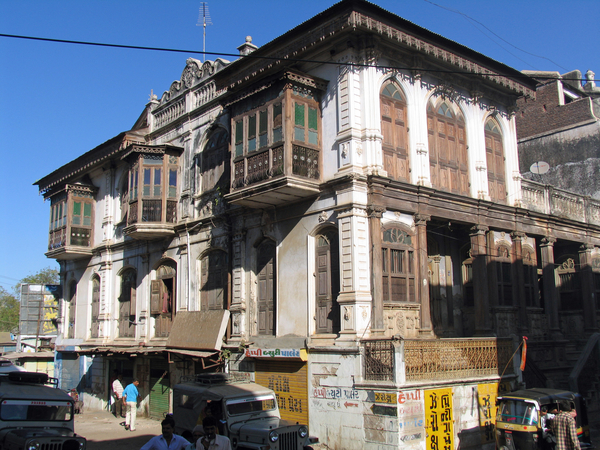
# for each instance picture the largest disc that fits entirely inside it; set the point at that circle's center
(103, 431)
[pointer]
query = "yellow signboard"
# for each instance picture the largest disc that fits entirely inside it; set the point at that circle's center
(486, 397)
(439, 419)
(386, 397)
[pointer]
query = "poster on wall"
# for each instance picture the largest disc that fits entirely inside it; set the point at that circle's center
(439, 419)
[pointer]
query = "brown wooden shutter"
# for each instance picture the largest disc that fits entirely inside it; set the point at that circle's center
(266, 285)
(155, 296)
(132, 301)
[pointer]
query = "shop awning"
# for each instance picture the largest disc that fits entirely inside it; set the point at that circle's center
(198, 330)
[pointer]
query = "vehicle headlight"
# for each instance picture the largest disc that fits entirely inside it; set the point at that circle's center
(273, 436)
(33, 445)
(81, 445)
(302, 432)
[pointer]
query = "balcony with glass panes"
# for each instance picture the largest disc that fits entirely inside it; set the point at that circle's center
(71, 223)
(152, 194)
(276, 150)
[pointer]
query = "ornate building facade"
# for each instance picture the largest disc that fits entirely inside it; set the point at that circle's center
(341, 216)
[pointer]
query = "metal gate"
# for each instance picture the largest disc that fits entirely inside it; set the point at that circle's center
(289, 380)
(159, 390)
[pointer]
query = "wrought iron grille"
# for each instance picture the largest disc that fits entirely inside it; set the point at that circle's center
(447, 359)
(58, 238)
(132, 213)
(258, 167)
(151, 210)
(171, 211)
(238, 177)
(277, 167)
(305, 162)
(379, 360)
(80, 236)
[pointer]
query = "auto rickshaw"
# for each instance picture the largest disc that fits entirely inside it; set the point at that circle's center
(519, 418)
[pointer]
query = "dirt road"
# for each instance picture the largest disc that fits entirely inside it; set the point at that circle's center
(103, 431)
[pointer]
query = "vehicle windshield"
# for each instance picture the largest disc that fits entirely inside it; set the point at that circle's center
(250, 405)
(36, 410)
(517, 412)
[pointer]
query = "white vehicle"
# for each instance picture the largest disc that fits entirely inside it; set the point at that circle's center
(7, 366)
(247, 412)
(35, 415)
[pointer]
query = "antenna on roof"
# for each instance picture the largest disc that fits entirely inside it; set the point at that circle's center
(204, 20)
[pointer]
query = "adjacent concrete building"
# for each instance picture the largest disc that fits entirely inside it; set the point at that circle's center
(342, 216)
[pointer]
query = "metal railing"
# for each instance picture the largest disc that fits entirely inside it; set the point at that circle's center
(440, 359)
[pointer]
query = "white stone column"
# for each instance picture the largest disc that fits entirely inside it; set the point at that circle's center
(355, 273)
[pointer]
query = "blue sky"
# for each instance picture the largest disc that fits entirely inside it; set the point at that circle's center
(58, 101)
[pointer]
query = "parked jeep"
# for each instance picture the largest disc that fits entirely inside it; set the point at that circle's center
(247, 412)
(35, 414)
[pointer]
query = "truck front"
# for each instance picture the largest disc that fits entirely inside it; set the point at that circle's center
(34, 416)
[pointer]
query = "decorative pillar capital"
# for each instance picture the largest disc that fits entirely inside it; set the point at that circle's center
(479, 230)
(518, 235)
(421, 219)
(375, 211)
(548, 241)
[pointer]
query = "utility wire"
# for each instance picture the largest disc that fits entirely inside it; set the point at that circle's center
(499, 37)
(279, 59)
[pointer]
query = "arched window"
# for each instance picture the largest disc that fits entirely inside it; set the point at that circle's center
(266, 278)
(495, 162)
(467, 276)
(394, 128)
(162, 298)
(398, 266)
(447, 148)
(504, 276)
(95, 329)
(213, 287)
(596, 272)
(71, 305)
(569, 285)
(532, 297)
(215, 161)
(327, 282)
(127, 303)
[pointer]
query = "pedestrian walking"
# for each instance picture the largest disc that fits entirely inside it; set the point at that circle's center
(211, 439)
(130, 397)
(563, 428)
(197, 434)
(117, 388)
(167, 440)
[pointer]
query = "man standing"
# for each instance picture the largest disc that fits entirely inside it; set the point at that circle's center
(117, 387)
(167, 440)
(211, 440)
(563, 427)
(130, 397)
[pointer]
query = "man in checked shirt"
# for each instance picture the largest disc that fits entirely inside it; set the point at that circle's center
(563, 427)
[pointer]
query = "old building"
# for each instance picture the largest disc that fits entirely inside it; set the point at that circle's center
(342, 216)
(561, 127)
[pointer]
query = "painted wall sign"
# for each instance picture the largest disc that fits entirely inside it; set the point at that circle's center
(335, 393)
(381, 410)
(273, 353)
(439, 419)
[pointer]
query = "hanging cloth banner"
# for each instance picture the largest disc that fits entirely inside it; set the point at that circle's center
(524, 353)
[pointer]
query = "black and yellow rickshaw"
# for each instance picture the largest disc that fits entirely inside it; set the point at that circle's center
(519, 418)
